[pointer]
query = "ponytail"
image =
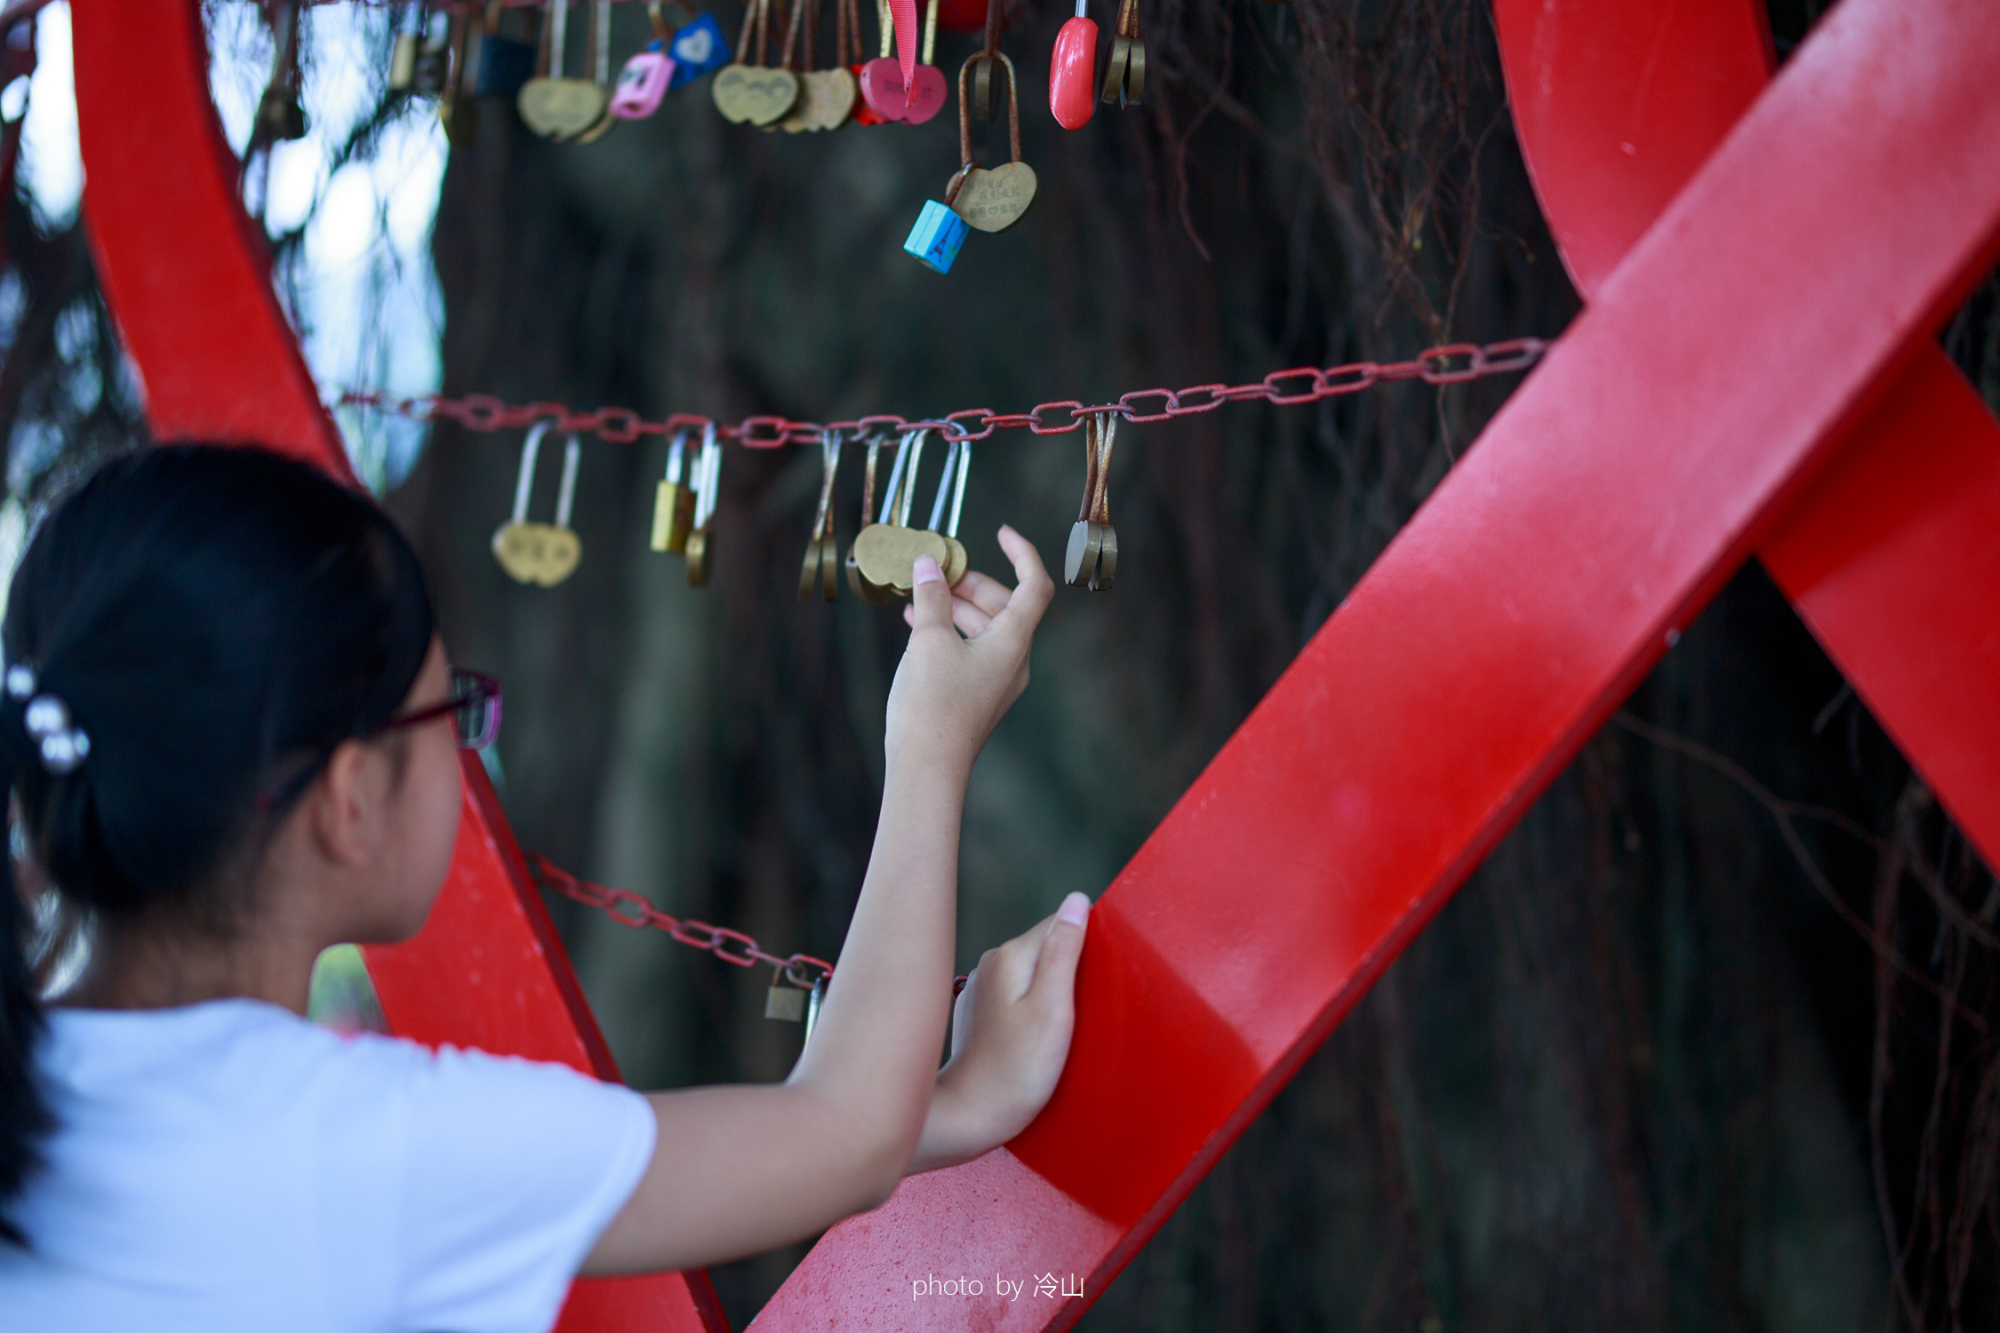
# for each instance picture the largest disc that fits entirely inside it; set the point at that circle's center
(187, 638)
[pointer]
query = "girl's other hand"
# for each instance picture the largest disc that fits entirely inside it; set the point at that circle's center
(949, 691)
(1010, 1038)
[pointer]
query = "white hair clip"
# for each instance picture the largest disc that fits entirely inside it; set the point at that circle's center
(62, 746)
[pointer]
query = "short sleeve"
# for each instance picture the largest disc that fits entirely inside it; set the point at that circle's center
(512, 1170)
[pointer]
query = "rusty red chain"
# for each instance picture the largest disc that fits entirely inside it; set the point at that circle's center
(731, 946)
(1452, 363)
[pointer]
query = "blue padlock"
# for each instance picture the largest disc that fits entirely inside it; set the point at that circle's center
(936, 237)
(697, 49)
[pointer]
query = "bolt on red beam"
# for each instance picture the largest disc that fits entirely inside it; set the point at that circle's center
(1757, 322)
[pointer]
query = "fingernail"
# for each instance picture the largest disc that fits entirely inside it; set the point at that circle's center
(927, 570)
(1075, 908)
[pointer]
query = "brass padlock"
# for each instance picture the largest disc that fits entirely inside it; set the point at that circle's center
(708, 481)
(1092, 559)
(403, 62)
(673, 501)
(540, 553)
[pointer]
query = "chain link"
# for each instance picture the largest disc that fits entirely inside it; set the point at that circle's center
(1454, 363)
(731, 946)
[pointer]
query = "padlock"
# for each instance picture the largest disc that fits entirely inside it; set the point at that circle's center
(990, 200)
(937, 236)
(642, 83)
(540, 553)
(697, 49)
(674, 501)
(1073, 71)
(403, 62)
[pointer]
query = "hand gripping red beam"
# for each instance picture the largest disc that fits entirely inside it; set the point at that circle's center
(1763, 317)
(187, 276)
(1893, 555)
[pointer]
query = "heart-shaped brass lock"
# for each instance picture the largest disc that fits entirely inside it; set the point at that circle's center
(884, 556)
(538, 553)
(555, 106)
(887, 554)
(826, 96)
(829, 98)
(561, 108)
(746, 94)
(990, 200)
(995, 200)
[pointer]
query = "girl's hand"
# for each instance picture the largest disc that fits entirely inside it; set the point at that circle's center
(949, 691)
(1010, 1035)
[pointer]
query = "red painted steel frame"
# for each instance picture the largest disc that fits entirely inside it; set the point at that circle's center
(1780, 301)
(188, 278)
(1622, 484)
(1893, 556)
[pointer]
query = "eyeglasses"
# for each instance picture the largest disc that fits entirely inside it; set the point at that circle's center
(474, 706)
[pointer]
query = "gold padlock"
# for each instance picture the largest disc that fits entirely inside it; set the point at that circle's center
(403, 62)
(700, 550)
(540, 553)
(673, 501)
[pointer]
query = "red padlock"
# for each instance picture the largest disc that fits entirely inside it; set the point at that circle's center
(1073, 72)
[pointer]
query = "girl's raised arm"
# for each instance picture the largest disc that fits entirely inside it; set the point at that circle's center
(741, 1169)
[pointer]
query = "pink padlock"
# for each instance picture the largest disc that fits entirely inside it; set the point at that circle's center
(642, 83)
(882, 89)
(908, 88)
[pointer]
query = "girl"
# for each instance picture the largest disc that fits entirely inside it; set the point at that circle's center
(232, 735)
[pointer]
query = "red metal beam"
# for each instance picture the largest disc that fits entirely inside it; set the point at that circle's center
(1894, 554)
(1768, 312)
(187, 276)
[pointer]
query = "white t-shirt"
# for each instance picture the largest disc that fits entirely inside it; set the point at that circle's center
(230, 1166)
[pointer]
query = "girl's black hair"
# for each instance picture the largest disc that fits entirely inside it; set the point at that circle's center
(216, 620)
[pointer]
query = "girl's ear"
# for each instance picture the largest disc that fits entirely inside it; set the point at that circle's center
(343, 806)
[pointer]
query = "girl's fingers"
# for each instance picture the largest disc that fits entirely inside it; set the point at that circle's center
(1062, 946)
(969, 618)
(983, 591)
(1033, 588)
(961, 1013)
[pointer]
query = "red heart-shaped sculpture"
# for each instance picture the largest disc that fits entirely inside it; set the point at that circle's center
(882, 88)
(928, 94)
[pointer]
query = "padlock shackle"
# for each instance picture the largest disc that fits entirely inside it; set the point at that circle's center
(676, 456)
(708, 477)
(572, 455)
(965, 120)
(944, 485)
(524, 481)
(829, 459)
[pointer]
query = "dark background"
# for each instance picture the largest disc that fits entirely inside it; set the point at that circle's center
(1638, 1074)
